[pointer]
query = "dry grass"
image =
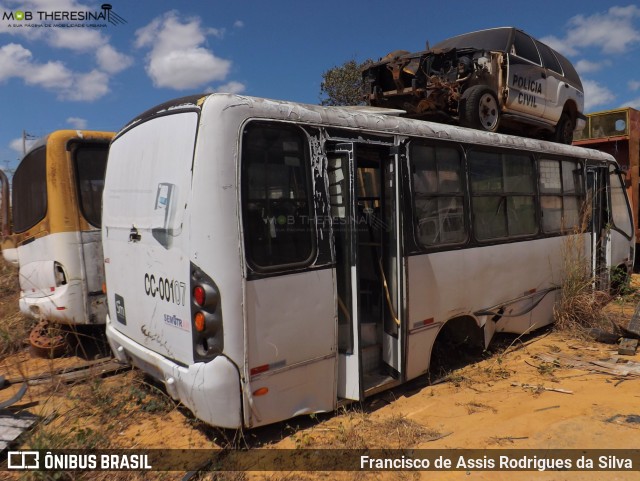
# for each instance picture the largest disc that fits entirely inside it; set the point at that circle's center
(14, 328)
(357, 429)
(476, 407)
(580, 307)
(9, 287)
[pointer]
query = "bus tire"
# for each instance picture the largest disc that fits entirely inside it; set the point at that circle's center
(479, 109)
(564, 129)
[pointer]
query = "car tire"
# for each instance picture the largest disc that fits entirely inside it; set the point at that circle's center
(479, 109)
(564, 130)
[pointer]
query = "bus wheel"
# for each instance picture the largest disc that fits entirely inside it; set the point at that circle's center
(479, 109)
(564, 130)
(48, 340)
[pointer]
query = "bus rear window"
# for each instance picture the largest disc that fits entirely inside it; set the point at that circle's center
(90, 162)
(29, 192)
(278, 227)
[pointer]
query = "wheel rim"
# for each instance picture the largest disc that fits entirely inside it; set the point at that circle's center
(488, 112)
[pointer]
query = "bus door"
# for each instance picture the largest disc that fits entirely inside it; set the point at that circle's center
(597, 190)
(363, 182)
(89, 162)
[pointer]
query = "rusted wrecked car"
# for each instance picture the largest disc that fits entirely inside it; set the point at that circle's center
(497, 79)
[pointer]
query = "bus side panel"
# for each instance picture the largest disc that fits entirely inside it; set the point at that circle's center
(214, 231)
(93, 262)
(450, 284)
(620, 252)
(291, 328)
(40, 297)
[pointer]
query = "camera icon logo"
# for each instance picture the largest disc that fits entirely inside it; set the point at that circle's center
(23, 460)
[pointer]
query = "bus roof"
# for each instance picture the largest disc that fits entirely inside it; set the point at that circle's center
(358, 118)
(62, 135)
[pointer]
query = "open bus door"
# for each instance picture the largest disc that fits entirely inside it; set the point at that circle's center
(597, 189)
(364, 207)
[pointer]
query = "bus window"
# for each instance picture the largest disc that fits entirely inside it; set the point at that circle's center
(29, 191)
(503, 194)
(619, 206)
(278, 228)
(438, 195)
(561, 195)
(90, 163)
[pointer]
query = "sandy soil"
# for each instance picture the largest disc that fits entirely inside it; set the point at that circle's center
(511, 400)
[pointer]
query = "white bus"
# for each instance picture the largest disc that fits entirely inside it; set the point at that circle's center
(51, 228)
(267, 259)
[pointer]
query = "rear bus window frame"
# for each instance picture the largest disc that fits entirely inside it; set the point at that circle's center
(77, 147)
(261, 220)
(29, 213)
(577, 194)
(505, 195)
(423, 192)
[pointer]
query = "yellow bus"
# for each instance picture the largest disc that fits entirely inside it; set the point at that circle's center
(6, 243)
(51, 227)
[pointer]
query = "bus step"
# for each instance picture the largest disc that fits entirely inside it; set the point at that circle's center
(377, 382)
(371, 358)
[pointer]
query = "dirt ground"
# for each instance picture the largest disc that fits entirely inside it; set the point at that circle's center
(523, 395)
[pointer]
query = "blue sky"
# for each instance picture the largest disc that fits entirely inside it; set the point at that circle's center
(100, 78)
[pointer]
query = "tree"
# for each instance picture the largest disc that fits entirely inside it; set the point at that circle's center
(343, 85)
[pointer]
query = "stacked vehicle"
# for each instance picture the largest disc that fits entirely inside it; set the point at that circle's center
(499, 79)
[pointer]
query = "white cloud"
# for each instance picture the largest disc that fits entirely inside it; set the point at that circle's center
(112, 61)
(611, 32)
(47, 4)
(20, 146)
(17, 62)
(586, 66)
(77, 123)
(77, 40)
(595, 94)
(561, 45)
(232, 87)
(88, 87)
(238, 24)
(633, 84)
(51, 75)
(634, 103)
(177, 57)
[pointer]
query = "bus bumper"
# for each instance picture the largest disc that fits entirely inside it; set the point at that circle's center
(210, 390)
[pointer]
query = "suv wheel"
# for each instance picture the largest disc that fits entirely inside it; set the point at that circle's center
(479, 109)
(564, 130)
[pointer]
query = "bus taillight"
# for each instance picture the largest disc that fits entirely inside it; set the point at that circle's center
(199, 295)
(199, 321)
(206, 316)
(205, 295)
